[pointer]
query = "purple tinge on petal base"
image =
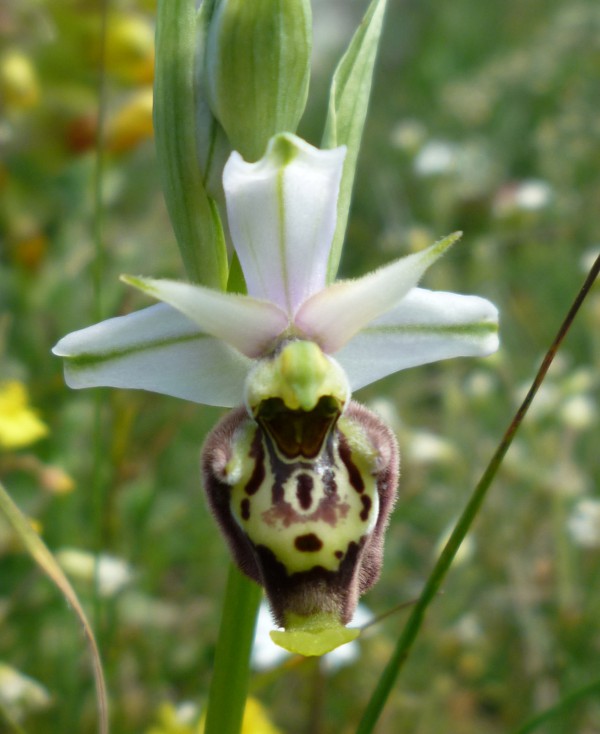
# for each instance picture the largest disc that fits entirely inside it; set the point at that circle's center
(310, 532)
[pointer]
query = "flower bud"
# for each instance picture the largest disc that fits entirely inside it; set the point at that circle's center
(257, 69)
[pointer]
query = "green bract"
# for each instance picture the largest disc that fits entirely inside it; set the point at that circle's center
(257, 69)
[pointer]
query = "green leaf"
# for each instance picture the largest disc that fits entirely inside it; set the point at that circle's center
(36, 548)
(193, 212)
(348, 102)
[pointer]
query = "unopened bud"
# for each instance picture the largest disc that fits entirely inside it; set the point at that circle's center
(257, 69)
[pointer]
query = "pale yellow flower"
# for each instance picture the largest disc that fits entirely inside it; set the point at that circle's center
(173, 719)
(132, 123)
(19, 424)
(19, 84)
(130, 48)
(256, 720)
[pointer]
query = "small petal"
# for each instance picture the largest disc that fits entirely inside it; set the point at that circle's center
(245, 323)
(333, 316)
(156, 349)
(282, 213)
(425, 326)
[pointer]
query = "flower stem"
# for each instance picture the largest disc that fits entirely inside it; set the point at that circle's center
(229, 685)
(410, 631)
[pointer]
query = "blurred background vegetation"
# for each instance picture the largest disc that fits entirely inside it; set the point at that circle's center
(484, 117)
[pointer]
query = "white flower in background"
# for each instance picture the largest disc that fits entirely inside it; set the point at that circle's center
(113, 573)
(436, 157)
(20, 694)
(532, 194)
(584, 523)
(425, 447)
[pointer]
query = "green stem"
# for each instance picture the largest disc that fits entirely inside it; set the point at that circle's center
(229, 685)
(410, 631)
(98, 478)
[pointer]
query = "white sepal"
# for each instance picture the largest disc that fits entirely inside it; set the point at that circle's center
(156, 349)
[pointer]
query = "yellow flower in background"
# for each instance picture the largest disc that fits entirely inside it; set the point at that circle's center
(132, 123)
(19, 86)
(19, 424)
(173, 719)
(256, 720)
(130, 48)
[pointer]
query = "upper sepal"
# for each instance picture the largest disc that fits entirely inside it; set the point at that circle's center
(282, 214)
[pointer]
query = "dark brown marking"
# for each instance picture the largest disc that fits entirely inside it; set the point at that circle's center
(366, 503)
(339, 554)
(329, 482)
(257, 453)
(312, 591)
(309, 543)
(245, 508)
(354, 474)
(304, 488)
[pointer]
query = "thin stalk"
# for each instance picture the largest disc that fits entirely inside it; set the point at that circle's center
(231, 673)
(99, 454)
(413, 625)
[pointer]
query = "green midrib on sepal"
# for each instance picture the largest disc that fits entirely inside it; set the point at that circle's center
(90, 359)
(481, 329)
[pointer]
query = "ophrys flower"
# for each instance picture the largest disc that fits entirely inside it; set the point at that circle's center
(301, 478)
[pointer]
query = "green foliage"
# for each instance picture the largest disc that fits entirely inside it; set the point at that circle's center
(193, 212)
(472, 103)
(346, 114)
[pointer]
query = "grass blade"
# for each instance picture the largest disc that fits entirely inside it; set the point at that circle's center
(37, 549)
(413, 625)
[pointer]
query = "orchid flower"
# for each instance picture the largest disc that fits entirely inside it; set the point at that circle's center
(300, 478)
